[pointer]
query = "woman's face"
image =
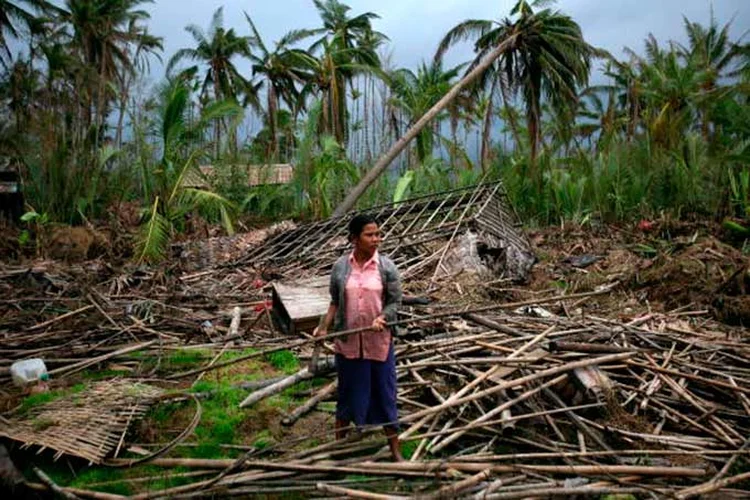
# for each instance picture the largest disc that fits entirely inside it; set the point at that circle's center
(369, 239)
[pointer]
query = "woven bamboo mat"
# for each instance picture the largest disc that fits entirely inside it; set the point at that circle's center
(90, 424)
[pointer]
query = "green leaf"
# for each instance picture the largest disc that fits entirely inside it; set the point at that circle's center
(402, 186)
(30, 216)
(736, 228)
(154, 238)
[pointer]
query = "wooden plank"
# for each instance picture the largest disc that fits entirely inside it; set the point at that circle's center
(300, 304)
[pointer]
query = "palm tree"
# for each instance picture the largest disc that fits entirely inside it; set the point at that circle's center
(348, 46)
(712, 53)
(17, 14)
(168, 191)
(330, 73)
(599, 115)
(548, 58)
(280, 70)
(145, 46)
(18, 88)
(416, 93)
(217, 49)
(105, 33)
(628, 88)
(671, 91)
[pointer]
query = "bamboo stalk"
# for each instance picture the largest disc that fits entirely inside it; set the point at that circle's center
(519, 381)
(350, 493)
(311, 403)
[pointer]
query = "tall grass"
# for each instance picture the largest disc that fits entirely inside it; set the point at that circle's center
(628, 181)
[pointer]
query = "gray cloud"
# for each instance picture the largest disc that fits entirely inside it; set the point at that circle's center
(415, 26)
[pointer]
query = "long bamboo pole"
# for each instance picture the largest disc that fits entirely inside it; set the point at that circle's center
(300, 343)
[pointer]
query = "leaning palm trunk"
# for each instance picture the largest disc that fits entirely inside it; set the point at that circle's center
(383, 163)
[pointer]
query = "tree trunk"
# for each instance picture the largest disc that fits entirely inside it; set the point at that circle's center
(385, 161)
(485, 153)
(509, 112)
(272, 145)
(124, 96)
(366, 118)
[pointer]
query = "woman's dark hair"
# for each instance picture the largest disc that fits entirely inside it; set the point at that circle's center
(358, 223)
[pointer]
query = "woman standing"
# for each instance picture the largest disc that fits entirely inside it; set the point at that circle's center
(365, 292)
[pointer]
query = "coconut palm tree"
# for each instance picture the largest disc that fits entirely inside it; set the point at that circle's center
(105, 34)
(671, 91)
(714, 54)
(328, 82)
(628, 89)
(415, 93)
(168, 188)
(599, 116)
(348, 45)
(18, 88)
(548, 58)
(16, 15)
(281, 71)
(217, 50)
(145, 46)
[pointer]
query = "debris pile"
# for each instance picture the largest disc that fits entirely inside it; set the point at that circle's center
(533, 397)
(418, 234)
(590, 406)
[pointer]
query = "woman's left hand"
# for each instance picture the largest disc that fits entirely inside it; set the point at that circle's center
(379, 324)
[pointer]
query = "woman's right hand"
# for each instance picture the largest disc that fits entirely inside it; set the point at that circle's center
(320, 331)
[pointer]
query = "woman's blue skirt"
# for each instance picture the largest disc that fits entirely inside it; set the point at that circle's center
(367, 391)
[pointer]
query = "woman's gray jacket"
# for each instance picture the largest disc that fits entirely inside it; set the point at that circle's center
(391, 290)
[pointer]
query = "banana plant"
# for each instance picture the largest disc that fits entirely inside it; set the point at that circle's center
(170, 185)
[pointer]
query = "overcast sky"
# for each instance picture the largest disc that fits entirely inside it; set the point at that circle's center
(416, 26)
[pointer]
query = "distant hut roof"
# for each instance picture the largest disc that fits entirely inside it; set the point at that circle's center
(257, 175)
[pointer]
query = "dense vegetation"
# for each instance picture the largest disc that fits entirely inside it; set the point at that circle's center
(668, 132)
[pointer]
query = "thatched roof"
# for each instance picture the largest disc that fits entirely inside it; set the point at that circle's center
(257, 175)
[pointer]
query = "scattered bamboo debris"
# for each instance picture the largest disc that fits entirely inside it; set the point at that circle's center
(497, 399)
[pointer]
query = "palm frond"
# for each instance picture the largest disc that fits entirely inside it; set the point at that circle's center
(467, 30)
(192, 198)
(153, 240)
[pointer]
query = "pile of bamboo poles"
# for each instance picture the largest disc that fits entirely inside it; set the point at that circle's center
(493, 402)
(503, 405)
(656, 406)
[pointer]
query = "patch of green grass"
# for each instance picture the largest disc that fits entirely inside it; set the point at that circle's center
(36, 400)
(408, 448)
(104, 374)
(232, 355)
(285, 361)
(162, 414)
(204, 386)
(220, 420)
(102, 475)
(182, 357)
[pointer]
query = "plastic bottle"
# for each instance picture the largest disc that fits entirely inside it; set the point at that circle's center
(28, 371)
